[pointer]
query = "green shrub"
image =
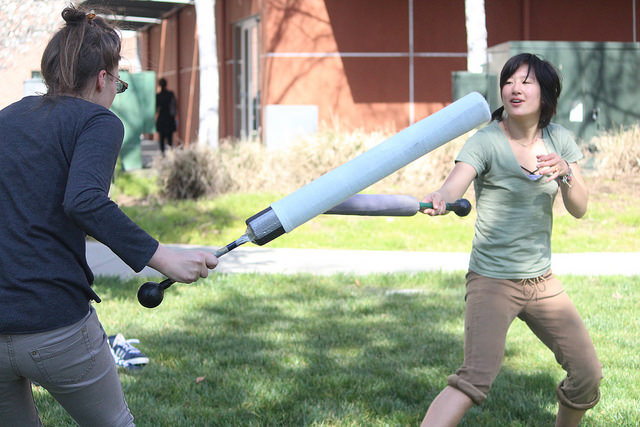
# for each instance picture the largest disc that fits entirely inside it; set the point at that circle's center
(617, 152)
(249, 167)
(187, 173)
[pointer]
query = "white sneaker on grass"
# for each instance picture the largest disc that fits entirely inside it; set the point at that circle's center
(125, 354)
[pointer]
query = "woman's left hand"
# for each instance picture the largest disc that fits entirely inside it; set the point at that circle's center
(552, 165)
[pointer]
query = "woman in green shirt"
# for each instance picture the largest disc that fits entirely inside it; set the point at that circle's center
(517, 164)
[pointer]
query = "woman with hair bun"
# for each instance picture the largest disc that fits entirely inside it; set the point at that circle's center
(518, 164)
(57, 157)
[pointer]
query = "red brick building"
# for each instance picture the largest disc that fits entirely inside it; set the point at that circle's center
(354, 63)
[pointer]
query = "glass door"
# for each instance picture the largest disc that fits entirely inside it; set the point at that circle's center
(246, 81)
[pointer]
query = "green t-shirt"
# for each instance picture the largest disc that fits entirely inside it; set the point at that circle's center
(515, 217)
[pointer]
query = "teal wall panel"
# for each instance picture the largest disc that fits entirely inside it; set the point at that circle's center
(600, 82)
(136, 108)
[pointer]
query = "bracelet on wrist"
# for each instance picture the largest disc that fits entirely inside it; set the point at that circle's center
(566, 179)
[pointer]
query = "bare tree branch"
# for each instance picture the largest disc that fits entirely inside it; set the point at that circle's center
(25, 22)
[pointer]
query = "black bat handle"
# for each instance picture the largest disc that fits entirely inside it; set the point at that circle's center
(460, 207)
(150, 294)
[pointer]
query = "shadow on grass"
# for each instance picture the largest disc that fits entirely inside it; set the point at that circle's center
(311, 350)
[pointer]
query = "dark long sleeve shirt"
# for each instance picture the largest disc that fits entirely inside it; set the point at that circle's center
(57, 158)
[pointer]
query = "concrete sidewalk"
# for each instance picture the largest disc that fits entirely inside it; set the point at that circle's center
(253, 259)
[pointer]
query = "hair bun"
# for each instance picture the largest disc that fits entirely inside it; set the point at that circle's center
(72, 15)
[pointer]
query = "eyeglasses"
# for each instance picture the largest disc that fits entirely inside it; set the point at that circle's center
(121, 85)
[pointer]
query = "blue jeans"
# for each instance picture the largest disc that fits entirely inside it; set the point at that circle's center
(74, 364)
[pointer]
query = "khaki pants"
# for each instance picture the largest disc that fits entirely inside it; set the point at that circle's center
(74, 364)
(542, 303)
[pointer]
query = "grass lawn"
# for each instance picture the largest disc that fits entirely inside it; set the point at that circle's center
(612, 224)
(344, 350)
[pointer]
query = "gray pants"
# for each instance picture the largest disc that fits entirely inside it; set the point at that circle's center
(74, 364)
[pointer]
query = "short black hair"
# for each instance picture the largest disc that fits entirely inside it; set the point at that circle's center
(547, 76)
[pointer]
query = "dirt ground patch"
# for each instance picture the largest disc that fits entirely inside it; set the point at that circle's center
(617, 192)
(625, 187)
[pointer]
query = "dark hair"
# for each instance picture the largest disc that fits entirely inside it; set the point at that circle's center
(547, 76)
(163, 83)
(85, 45)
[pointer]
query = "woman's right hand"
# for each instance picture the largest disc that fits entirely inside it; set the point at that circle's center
(439, 204)
(453, 188)
(184, 266)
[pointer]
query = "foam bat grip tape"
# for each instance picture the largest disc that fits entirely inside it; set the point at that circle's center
(377, 205)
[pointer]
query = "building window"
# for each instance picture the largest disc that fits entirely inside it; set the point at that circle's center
(246, 79)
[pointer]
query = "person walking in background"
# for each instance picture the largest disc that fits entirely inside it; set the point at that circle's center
(518, 163)
(57, 157)
(166, 111)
